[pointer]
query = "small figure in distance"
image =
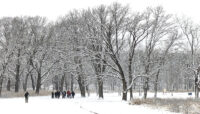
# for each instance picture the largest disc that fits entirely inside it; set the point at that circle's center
(63, 94)
(26, 95)
(58, 94)
(73, 94)
(68, 94)
(52, 94)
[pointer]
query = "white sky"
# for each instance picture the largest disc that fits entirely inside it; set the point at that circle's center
(52, 9)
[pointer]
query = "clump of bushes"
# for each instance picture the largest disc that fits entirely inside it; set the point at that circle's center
(185, 106)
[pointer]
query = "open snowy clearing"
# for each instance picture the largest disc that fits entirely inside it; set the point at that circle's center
(111, 104)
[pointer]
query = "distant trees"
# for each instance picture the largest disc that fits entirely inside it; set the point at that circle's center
(100, 48)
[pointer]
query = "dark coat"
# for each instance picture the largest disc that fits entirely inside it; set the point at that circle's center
(26, 95)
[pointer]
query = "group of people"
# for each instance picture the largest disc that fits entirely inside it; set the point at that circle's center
(58, 93)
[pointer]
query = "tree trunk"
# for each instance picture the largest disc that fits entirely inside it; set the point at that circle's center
(66, 84)
(156, 84)
(25, 82)
(33, 82)
(72, 82)
(62, 82)
(124, 95)
(81, 86)
(1, 85)
(8, 85)
(39, 79)
(17, 76)
(196, 88)
(88, 90)
(130, 77)
(124, 83)
(146, 87)
(100, 89)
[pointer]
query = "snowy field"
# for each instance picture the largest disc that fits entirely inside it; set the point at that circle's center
(111, 104)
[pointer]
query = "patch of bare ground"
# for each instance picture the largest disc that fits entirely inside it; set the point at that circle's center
(184, 106)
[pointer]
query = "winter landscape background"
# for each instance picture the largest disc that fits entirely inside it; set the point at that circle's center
(116, 57)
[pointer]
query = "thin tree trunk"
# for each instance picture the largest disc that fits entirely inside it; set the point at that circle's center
(66, 83)
(196, 88)
(72, 82)
(156, 84)
(88, 90)
(146, 87)
(8, 85)
(1, 84)
(130, 77)
(25, 82)
(62, 82)
(17, 76)
(33, 82)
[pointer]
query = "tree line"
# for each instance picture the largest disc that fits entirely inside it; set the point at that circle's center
(101, 48)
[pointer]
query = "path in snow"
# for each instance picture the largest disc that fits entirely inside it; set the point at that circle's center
(111, 104)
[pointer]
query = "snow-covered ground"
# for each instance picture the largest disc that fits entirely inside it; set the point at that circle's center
(111, 104)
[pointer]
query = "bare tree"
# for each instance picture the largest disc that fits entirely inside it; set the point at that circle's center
(191, 33)
(160, 26)
(113, 37)
(138, 27)
(5, 49)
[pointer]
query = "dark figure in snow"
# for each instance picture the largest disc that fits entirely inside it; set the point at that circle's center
(58, 94)
(68, 94)
(26, 96)
(63, 94)
(73, 94)
(52, 94)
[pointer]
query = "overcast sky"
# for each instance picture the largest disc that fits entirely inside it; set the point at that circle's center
(52, 9)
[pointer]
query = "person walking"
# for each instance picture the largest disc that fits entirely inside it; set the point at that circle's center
(26, 95)
(58, 94)
(68, 94)
(52, 94)
(73, 94)
(63, 94)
